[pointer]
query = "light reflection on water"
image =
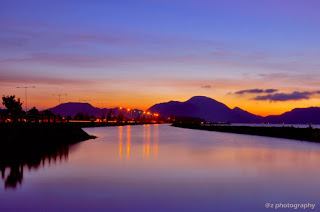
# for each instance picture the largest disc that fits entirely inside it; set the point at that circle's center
(145, 150)
(162, 168)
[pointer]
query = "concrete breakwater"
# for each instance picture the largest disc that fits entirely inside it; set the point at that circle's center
(304, 134)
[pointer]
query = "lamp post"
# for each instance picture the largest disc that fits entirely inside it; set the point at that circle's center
(25, 90)
(84, 105)
(59, 95)
(130, 112)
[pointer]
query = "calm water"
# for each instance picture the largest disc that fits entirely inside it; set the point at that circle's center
(162, 168)
(278, 125)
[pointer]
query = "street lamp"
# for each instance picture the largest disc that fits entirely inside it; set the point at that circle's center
(59, 99)
(25, 90)
(129, 110)
(84, 105)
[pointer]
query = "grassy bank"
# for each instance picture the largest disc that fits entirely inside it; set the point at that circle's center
(304, 134)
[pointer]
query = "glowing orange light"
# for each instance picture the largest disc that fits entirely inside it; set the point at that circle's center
(128, 141)
(128, 109)
(120, 108)
(148, 113)
(120, 141)
(148, 140)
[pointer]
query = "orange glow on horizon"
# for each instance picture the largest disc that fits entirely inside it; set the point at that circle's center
(42, 99)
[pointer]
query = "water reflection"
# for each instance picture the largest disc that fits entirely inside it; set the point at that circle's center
(156, 139)
(171, 169)
(149, 141)
(128, 141)
(120, 141)
(13, 162)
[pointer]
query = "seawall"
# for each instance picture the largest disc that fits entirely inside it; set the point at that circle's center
(304, 134)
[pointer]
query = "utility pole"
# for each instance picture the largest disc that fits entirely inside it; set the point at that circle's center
(84, 105)
(25, 90)
(59, 95)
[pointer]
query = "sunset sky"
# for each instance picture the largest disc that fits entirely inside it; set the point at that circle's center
(260, 55)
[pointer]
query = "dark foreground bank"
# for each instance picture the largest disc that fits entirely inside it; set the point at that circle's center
(26, 134)
(35, 145)
(303, 134)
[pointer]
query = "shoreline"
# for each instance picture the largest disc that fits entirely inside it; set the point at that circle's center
(302, 134)
(32, 134)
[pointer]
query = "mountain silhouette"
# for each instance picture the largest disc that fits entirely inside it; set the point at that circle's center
(297, 116)
(205, 108)
(72, 108)
(198, 107)
(214, 111)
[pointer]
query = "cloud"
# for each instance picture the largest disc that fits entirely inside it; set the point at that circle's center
(44, 80)
(206, 86)
(256, 91)
(296, 95)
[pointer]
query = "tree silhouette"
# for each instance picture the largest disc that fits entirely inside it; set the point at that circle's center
(79, 116)
(13, 105)
(33, 111)
(143, 119)
(103, 117)
(48, 113)
(110, 115)
(120, 117)
(171, 118)
(69, 118)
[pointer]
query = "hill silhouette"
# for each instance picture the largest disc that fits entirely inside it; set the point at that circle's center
(205, 108)
(214, 111)
(199, 107)
(297, 116)
(72, 108)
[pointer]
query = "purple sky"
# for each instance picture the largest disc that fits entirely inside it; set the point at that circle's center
(137, 53)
